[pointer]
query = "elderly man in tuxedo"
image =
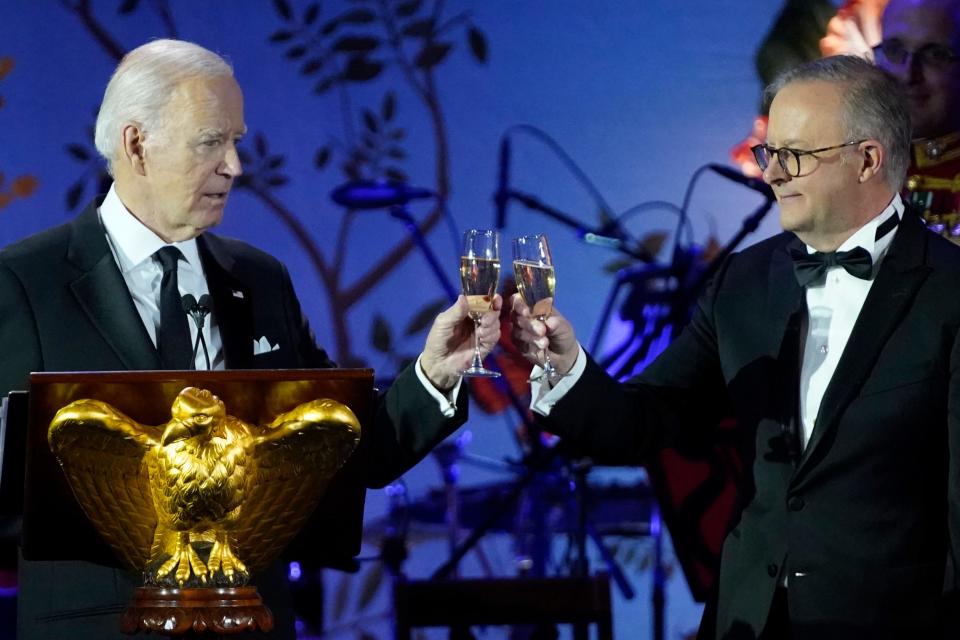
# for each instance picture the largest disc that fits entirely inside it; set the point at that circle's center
(103, 292)
(835, 344)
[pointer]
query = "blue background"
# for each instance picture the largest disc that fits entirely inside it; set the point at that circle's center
(640, 94)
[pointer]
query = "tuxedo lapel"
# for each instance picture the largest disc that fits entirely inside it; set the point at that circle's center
(232, 306)
(103, 295)
(784, 293)
(786, 310)
(900, 275)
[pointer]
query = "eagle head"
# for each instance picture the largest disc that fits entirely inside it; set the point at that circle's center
(195, 412)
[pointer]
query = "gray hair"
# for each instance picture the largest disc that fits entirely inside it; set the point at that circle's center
(142, 85)
(874, 106)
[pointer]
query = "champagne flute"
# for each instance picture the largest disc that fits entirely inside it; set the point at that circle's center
(536, 282)
(479, 275)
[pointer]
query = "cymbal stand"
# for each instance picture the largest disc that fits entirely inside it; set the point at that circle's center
(393, 547)
(658, 597)
(538, 461)
(533, 463)
(447, 455)
(585, 530)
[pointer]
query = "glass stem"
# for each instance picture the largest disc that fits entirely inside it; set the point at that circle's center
(547, 365)
(477, 361)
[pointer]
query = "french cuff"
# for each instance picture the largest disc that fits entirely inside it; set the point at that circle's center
(446, 402)
(544, 394)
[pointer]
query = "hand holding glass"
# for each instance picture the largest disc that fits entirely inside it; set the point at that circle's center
(479, 275)
(536, 282)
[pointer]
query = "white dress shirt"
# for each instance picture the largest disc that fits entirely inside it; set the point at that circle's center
(133, 246)
(833, 309)
(833, 306)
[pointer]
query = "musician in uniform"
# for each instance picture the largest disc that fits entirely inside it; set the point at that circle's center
(921, 47)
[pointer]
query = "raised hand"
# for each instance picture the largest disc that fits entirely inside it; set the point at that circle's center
(449, 346)
(534, 338)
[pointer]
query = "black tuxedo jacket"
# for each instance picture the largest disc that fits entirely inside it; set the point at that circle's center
(64, 306)
(861, 522)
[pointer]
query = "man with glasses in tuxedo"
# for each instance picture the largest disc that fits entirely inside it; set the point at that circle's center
(837, 346)
(921, 47)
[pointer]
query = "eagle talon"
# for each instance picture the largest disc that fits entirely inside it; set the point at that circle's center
(184, 560)
(223, 559)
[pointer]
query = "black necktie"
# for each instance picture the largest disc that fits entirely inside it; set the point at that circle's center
(810, 267)
(173, 339)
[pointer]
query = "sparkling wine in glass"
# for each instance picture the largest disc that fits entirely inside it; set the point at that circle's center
(479, 275)
(536, 282)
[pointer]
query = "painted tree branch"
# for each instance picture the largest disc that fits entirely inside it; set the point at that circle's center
(162, 7)
(427, 91)
(82, 10)
(297, 228)
(360, 287)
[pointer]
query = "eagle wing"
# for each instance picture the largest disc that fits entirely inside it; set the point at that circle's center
(102, 454)
(296, 456)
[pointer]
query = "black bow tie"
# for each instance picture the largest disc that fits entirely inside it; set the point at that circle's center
(810, 267)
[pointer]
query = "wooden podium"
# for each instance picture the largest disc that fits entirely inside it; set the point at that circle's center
(55, 527)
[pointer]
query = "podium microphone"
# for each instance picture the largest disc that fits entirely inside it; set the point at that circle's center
(502, 196)
(756, 184)
(198, 310)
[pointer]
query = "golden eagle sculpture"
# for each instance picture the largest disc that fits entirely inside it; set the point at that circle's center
(206, 498)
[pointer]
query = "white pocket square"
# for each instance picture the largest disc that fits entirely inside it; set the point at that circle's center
(263, 345)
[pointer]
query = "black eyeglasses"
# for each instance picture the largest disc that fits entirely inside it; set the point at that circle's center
(932, 54)
(789, 159)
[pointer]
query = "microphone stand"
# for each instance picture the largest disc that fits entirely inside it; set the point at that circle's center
(198, 311)
(402, 213)
(594, 236)
(678, 300)
(750, 224)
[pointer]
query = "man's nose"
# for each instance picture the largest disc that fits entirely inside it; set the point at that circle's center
(913, 69)
(231, 165)
(774, 173)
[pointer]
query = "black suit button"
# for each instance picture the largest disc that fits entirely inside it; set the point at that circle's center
(795, 503)
(773, 570)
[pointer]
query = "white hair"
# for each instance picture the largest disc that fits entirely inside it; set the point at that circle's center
(143, 84)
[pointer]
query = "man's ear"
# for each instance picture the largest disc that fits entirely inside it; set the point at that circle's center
(133, 153)
(872, 158)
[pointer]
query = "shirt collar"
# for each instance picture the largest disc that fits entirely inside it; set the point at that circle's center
(132, 241)
(866, 236)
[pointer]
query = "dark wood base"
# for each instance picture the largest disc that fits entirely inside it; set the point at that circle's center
(177, 612)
